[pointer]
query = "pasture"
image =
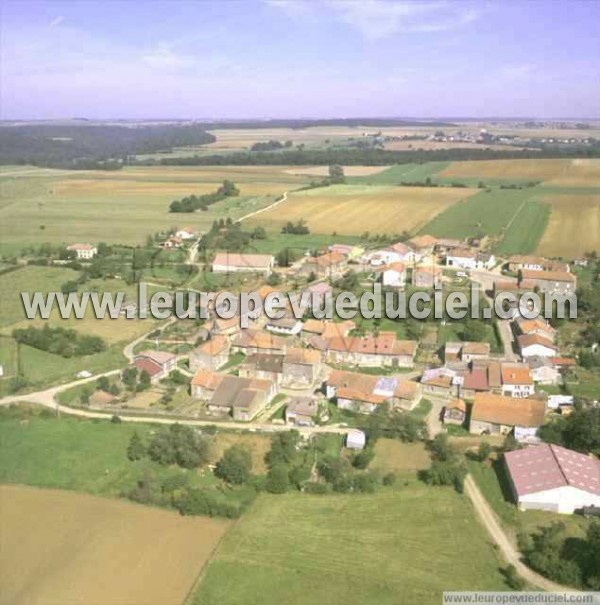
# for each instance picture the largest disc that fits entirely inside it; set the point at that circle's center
(574, 226)
(392, 455)
(126, 206)
(401, 545)
(60, 547)
(356, 209)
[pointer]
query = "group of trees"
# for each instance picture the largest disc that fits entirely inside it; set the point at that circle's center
(192, 203)
(299, 228)
(447, 466)
(567, 560)
(374, 156)
(173, 445)
(271, 145)
(100, 147)
(134, 380)
(59, 341)
(579, 431)
(227, 235)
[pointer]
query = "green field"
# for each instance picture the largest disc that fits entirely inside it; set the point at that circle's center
(401, 173)
(515, 219)
(404, 545)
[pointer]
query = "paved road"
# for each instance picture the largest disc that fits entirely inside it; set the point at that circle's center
(507, 548)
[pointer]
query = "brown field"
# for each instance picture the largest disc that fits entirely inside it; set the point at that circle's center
(65, 548)
(578, 172)
(574, 226)
(393, 455)
(348, 170)
(259, 445)
(354, 209)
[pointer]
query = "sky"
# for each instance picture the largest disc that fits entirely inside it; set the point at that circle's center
(299, 59)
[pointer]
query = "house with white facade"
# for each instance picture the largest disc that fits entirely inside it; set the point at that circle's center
(534, 344)
(553, 478)
(464, 258)
(83, 251)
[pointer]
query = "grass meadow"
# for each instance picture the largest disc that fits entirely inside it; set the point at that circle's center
(401, 545)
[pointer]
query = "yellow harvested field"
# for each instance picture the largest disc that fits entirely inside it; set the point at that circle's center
(354, 209)
(574, 226)
(576, 172)
(348, 170)
(258, 445)
(59, 548)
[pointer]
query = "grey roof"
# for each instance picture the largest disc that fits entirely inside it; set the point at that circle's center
(262, 362)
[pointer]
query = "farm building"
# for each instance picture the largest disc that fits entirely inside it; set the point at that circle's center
(537, 326)
(331, 264)
(530, 345)
(543, 370)
(204, 384)
(393, 276)
(287, 324)
(185, 233)
(349, 251)
(243, 398)
(302, 411)
(83, 251)
(495, 414)
(455, 412)
(534, 263)
(422, 245)
(466, 351)
(551, 281)
(404, 253)
(210, 355)
(553, 478)
(257, 341)
(373, 351)
(444, 246)
(426, 277)
(157, 364)
(301, 367)
(225, 262)
(469, 259)
(263, 366)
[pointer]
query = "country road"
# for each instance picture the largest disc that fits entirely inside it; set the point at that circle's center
(507, 549)
(282, 199)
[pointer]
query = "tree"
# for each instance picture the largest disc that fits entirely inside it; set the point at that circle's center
(180, 445)
(144, 382)
(440, 448)
(69, 286)
(283, 448)
(483, 451)
(136, 449)
(336, 174)
(474, 331)
(235, 466)
(129, 377)
(103, 383)
(278, 480)
(362, 459)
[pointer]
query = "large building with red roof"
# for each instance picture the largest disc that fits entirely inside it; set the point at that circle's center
(553, 478)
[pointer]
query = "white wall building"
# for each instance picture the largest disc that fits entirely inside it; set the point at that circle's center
(553, 478)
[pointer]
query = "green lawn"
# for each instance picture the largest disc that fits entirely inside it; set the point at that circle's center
(486, 212)
(275, 242)
(401, 173)
(401, 545)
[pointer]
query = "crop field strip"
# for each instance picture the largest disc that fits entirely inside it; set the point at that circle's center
(96, 551)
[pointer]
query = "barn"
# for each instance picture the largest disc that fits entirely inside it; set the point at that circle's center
(553, 478)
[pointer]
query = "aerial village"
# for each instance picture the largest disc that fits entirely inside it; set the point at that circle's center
(311, 372)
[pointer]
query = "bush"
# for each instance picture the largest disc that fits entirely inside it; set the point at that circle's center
(179, 445)
(135, 449)
(361, 460)
(316, 488)
(235, 466)
(389, 479)
(278, 480)
(512, 578)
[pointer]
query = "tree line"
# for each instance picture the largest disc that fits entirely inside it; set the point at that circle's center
(60, 341)
(192, 203)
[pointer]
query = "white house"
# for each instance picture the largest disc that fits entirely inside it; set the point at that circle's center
(469, 259)
(404, 253)
(378, 258)
(543, 370)
(85, 251)
(516, 380)
(185, 233)
(534, 344)
(553, 478)
(393, 276)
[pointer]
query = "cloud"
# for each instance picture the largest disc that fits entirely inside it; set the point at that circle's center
(376, 19)
(56, 22)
